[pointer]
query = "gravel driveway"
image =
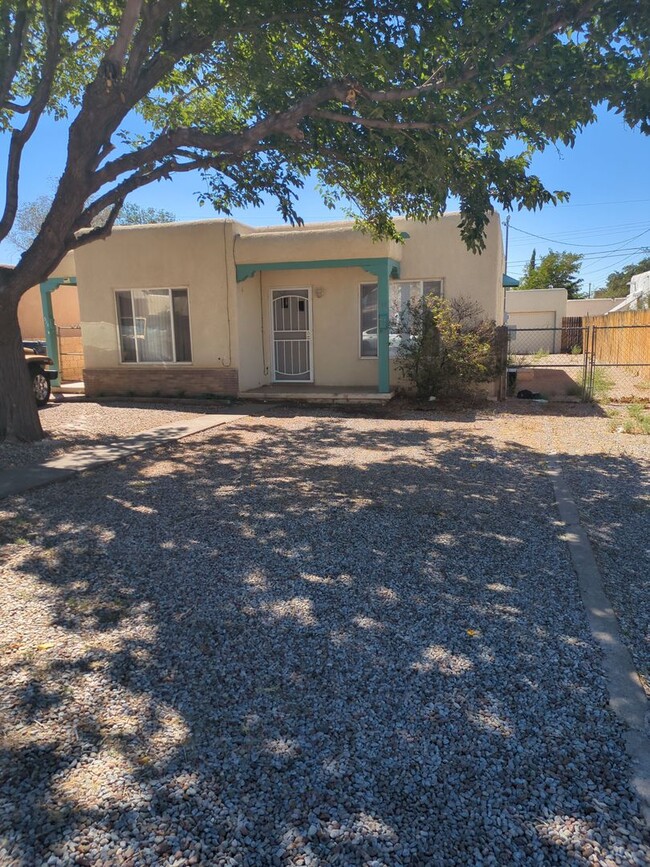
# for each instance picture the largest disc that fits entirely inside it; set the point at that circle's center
(307, 640)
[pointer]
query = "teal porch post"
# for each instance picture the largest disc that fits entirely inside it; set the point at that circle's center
(383, 338)
(47, 287)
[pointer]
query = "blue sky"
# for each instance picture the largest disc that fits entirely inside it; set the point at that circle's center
(607, 218)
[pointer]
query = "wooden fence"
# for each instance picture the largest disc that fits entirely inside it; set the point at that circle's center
(572, 334)
(620, 338)
(71, 353)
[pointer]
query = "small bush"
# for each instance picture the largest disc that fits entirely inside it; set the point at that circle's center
(639, 421)
(445, 348)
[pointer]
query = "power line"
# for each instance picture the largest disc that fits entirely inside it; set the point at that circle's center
(611, 265)
(599, 254)
(567, 244)
(594, 230)
(600, 204)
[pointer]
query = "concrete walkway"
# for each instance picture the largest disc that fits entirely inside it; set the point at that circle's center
(16, 481)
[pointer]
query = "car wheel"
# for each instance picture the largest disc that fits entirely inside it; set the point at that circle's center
(41, 386)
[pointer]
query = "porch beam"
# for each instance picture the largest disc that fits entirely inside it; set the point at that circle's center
(370, 264)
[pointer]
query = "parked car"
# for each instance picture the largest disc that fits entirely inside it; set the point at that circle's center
(40, 370)
(369, 342)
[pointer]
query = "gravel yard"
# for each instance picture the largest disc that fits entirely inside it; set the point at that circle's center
(71, 424)
(318, 639)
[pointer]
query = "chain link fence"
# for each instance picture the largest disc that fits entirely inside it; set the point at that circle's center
(588, 362)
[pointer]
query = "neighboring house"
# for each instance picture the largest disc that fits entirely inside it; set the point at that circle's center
(546, 310)
(65, 303)
(638, 297)
(217, 307)
(63, 330)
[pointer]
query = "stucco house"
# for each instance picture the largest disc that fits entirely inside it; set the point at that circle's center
(217, 307)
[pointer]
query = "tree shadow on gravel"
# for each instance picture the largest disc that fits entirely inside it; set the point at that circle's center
(326, 642)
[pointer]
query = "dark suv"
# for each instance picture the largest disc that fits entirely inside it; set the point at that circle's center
(40, 370)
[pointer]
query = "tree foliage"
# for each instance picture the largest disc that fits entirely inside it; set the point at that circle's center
(137, 215)
(31, 216)
(394, 107)
(555, 270)
(618, 282)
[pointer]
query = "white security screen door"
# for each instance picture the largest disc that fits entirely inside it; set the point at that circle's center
(292, 337)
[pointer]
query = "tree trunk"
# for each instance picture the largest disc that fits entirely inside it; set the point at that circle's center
(18, 412)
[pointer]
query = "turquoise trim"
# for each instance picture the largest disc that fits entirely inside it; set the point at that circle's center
(47, 287)
(372, 265)
(383, 338)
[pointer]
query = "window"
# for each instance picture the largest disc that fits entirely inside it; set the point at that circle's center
(154, 325)
(400, 293)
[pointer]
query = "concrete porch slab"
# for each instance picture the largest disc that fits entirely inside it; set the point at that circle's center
(69, 388)
(307, 393)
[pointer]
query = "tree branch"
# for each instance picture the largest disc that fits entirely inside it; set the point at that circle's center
(281, 123)
(116, 54)
(372, 123)
(20, 137)
(138, 180)
(14, 52)
(98, 232)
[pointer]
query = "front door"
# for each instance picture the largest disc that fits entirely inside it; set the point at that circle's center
(292, 335)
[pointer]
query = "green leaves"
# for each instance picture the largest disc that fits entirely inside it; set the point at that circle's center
(555, 270)
(426, 99)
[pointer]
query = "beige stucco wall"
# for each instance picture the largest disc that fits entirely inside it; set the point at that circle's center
(590, 306)
(308, 243)
(196, 256)
(254, 343)
(537, 300)
(524, 301)
(65, 304)
(436, 250)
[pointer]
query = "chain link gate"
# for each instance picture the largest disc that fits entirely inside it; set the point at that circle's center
(552, 362)
(618, 363)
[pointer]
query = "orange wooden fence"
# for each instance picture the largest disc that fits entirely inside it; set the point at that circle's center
(621, 338)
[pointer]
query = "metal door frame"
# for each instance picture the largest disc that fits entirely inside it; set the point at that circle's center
(310, 333)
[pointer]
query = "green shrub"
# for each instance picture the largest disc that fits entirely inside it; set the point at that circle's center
(445, 348)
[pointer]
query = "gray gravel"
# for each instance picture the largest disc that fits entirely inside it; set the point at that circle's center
(306, 641)
(72, 424)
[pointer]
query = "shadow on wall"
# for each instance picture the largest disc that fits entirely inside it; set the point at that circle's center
(327, 641)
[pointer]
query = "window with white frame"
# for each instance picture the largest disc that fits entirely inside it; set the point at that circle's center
(400, 294)
(154, 325)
